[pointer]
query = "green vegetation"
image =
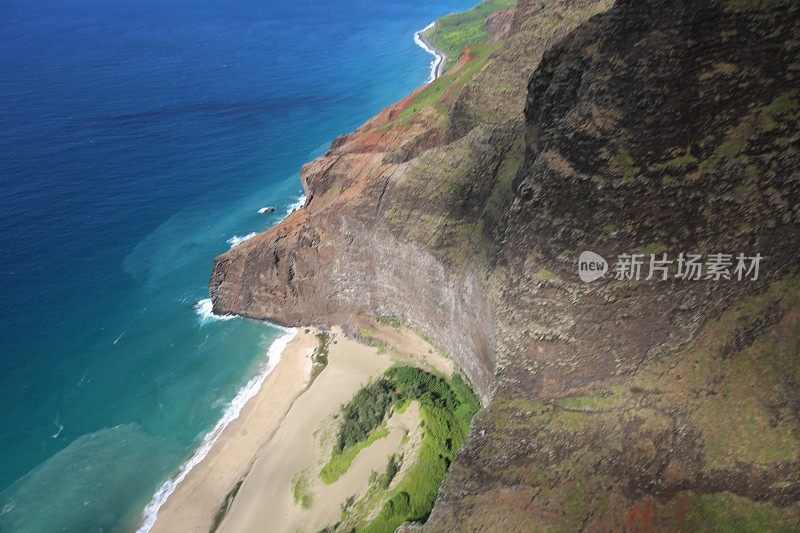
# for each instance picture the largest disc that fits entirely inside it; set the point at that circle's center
(503, 191)
(340, 462)
(370, 340)
(600, 399)
(364, 413)
(729, 384)
(440, 94)
(390, 320)
(392, 468)
(679, 164)
(455, 31)
(446, 409)
(301, 490)
(624, 163)
(652, 248)
(320, 356)
(747, 376)
(779, 115)
(547, 274)
(401, 405)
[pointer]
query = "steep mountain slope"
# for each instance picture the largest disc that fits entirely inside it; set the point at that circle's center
(653, 127)
(402, 212)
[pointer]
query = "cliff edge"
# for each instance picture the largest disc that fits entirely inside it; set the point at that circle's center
(647, 127)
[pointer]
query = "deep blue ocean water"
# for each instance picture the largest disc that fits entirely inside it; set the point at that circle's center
(136, 139)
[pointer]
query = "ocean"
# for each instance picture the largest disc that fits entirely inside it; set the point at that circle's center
(139, 139)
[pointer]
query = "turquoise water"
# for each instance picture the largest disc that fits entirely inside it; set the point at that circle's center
(136, 140)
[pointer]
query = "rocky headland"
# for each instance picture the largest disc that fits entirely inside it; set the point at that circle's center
(631, 127)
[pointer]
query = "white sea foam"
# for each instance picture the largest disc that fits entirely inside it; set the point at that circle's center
(266, 210)
(437, 57)
(236, 240)
(301, 201)
(205, 310)
(232, 413)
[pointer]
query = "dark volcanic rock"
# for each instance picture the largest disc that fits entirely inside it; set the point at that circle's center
(401, 218)
(654, 127)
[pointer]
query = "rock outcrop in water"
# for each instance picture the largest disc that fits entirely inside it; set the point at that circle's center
(642, 127)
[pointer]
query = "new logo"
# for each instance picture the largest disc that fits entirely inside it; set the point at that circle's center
(591, 266)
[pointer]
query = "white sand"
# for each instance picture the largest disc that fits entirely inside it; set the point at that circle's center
(265, 502)
(191, 508)
(287, 429)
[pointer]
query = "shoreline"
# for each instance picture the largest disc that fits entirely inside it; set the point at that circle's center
(273, 358)
(153, 516)
(256, 453)
(437, 65)
(301, 445)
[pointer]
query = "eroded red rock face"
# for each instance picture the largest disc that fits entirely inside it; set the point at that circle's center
(401, 215)
(653, 127)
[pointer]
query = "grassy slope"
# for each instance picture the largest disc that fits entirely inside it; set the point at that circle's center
(441, 94)
(455, 31)
(450, 35)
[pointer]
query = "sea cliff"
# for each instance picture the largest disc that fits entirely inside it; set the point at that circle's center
(639, 127)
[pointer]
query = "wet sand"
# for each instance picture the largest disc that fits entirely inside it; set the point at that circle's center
(195, 501)
(286, 431)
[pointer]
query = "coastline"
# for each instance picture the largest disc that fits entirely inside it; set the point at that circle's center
(225, 454)
(190, 499)
(256, 454)
(437, 64)
(265, 495)
(238, 405)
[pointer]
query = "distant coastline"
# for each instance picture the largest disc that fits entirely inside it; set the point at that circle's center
(437, 65)
(254, 389)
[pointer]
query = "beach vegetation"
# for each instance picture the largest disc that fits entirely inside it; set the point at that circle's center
(401, 405)
(302, 493)
(453, 32)
(364, 413)
(319, 358)
(446, 410)
(340, 462)
(370, 340)
(348, 503)
(392, 468)
(222, 512)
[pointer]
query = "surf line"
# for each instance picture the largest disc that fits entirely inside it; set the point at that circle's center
(437, 64)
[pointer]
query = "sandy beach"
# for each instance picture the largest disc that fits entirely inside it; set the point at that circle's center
(284, 432)
(195, 501)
